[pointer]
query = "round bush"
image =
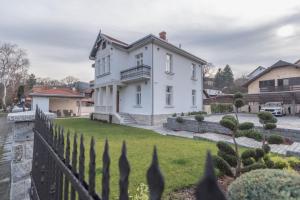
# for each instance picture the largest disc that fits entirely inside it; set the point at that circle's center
(248, 161)
(280, 164)
(230, 159)
(174, 115)
(270, 126)
(259, 153)
(199, 118)
(265, 117)
(249, 153)
(266, 148)
(250, 134)
(231, 118)
(275, 139)
(222, 165)
(239, 103)
(228, 124)
(179, 119)
(238, 95)
(223, 146)
(253, 166)
(246, 126)
(265, 184)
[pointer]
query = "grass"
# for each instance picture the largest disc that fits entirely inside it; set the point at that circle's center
(181, 160)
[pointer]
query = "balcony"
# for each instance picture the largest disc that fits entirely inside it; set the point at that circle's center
(280, 88)
(139, 73)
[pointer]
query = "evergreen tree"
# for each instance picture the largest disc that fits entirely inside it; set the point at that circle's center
(31, 81)
(227, 76)
(218, 82)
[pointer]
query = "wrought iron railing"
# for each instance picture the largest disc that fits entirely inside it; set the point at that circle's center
(55, 174)
(280, 88)
(142, 71)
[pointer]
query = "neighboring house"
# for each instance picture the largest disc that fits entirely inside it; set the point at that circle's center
(145, 81)
(255, 72)
(62, 101)
(282, 76)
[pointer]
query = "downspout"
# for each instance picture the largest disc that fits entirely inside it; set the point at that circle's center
(152, 89)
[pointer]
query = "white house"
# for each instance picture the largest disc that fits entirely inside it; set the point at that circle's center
(146, 81)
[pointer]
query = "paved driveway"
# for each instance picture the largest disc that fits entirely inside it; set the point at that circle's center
(289, 122)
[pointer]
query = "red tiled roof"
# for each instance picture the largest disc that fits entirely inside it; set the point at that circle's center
(54, 92)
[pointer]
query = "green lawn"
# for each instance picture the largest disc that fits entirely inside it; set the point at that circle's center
(181, 160)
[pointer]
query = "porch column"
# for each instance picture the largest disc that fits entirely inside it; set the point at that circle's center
(107, 90)
(114, 99)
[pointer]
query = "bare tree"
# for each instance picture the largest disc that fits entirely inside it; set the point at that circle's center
(13, 66)
(69, 80)
(208, 69)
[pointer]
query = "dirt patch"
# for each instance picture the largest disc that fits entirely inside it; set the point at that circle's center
(188, 193)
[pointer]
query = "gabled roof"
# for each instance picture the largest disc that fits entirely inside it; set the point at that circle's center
(55, 92)
(256, 69)
(278, 64)
(140, 42)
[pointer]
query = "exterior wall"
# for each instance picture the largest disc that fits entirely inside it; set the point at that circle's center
(181, 81)
(64, 104)
(277, 73)
(41, 102)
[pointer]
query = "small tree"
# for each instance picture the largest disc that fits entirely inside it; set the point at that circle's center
(199, 119)
(268, 122)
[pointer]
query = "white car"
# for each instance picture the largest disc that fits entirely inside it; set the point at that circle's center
(18, 109)
(276, 108)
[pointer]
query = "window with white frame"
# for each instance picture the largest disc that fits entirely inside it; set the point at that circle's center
(169, 95)
(138, 95)
(168, 63)
(194, 97)
(108, 64)
(193, 71)
(103, 66)
(139, 59)
(98, 67)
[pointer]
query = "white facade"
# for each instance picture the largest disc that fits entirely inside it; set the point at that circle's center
(41, 102)
(163, 79)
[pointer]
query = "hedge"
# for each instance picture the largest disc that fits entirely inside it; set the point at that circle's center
(221, 108)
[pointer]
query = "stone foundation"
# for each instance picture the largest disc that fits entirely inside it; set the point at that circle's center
(105, 117)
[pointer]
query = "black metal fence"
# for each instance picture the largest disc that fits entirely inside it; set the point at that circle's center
(55, 174)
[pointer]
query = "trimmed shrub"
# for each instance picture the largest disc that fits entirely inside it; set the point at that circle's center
(270, 126)
(238, 95)
(222, 165)
(223, 146)
(221, 108)
(248, 161)
(228, 124)
(179, 119)
(249, 153)
(230, 159)
(250, 134)
(238, 103)
(294, 163)
(265, 184)
(199, 118)
(259, 153)
(266, 148)
(198, 113)
(174, 115)
(253, 166)
(275, 139)
(246, 126)
(266, 117)
(280, 164)
(182, 114)
(268, 162)
(231, 118)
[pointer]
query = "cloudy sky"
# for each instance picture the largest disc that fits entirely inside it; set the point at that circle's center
(58, 34)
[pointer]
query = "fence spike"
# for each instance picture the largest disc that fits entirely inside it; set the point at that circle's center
(155, 178)
(81, 159)
(67, 161)
(55, 138)
(207, 188)
(92, 167)
(124, 169)
(105, 171)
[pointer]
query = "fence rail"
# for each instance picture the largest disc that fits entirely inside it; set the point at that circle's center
(55, 174)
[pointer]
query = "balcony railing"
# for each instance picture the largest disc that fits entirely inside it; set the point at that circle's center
(280, 88)
(142, 72)
(103, 109)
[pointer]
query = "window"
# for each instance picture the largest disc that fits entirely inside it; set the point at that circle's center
(193, 71)
(267, 83)
(98, 67)
(285, 82)
(108, 64)
(168, 63)
(194, 97)
(169, 95)
(139, 59)
(138, 95)
(103, 45)
(103, 66)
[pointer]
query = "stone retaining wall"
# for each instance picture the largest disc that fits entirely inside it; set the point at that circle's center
(214, 127)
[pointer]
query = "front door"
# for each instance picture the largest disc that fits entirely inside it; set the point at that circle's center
(118, 101)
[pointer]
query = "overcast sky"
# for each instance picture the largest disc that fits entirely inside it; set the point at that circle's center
(58, 34)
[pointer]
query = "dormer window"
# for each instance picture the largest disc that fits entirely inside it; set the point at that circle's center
(103, 45)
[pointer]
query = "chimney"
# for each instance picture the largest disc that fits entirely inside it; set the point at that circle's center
(163, 35)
